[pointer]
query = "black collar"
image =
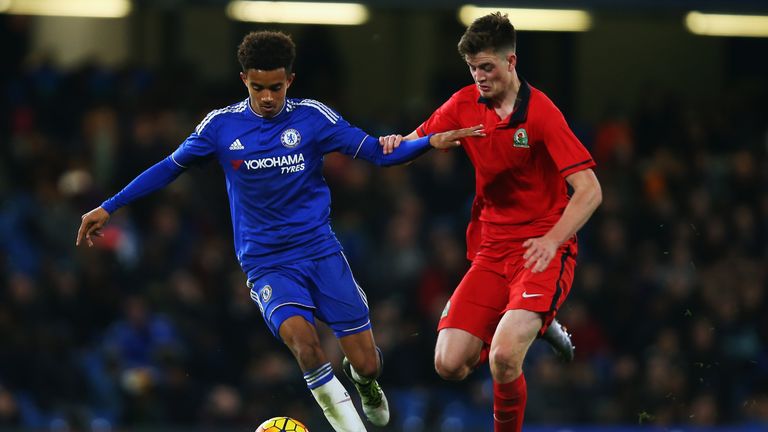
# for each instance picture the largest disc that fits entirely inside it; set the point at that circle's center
(520, 114)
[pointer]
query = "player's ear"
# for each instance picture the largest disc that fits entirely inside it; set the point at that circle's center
(244, 78)
(289, 81)
(512, 59)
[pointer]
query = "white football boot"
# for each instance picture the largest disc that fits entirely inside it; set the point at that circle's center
(375, 406)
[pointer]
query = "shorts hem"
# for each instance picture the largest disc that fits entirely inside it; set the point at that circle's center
(353, 330)
(473, 333)
(272, 312)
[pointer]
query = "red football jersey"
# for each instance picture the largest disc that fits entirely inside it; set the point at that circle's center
(520, 164)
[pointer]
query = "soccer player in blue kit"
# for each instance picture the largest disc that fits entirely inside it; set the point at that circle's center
(271, 150)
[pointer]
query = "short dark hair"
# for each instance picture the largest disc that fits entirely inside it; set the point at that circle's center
(492, 31)
(266, 50)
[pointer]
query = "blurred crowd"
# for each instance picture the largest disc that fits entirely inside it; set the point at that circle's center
(154, 326)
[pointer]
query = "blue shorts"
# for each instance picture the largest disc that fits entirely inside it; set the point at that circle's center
(322, 287)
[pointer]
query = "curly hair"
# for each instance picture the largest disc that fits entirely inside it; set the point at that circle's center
(266, 50)
(490, 32)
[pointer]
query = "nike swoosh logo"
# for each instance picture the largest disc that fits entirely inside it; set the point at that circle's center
(526, 295)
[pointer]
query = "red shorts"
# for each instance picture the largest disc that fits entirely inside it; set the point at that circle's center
(493, 286)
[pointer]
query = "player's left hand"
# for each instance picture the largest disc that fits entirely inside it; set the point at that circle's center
(390, 143)
(539, 252)
(450, 139)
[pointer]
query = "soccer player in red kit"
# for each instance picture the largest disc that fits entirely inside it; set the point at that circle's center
(522, 236)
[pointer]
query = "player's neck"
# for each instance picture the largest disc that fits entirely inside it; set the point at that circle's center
(256, 110)
(505, 105)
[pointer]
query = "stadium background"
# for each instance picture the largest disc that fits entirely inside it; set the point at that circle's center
(154, 329)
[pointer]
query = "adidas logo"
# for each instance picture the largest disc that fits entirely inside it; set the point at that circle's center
(237, 145)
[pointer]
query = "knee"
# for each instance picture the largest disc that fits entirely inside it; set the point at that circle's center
(451, 369)
(505, 363)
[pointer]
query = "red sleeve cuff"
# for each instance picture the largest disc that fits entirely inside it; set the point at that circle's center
(579, 166)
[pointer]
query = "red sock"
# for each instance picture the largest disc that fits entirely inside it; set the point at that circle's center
(509, 405)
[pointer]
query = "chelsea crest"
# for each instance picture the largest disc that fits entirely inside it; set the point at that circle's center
(266, 293)
(290, 138)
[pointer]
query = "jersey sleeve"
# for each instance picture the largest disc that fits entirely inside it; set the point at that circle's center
(199, 146)
(342, 137)
(568, 153)
(354, 142)
(333, 132)
(154, 178)
(338, 135)
(407, 151)
(443, 119)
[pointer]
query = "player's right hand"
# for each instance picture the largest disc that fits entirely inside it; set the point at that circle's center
(450, 139)
(91, 224)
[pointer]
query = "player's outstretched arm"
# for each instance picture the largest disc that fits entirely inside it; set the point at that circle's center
(91, 224)
(408, 150)
(450, 139)
(154, 178)
(442, 140)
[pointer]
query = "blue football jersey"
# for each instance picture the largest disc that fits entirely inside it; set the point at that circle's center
(279, 201)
